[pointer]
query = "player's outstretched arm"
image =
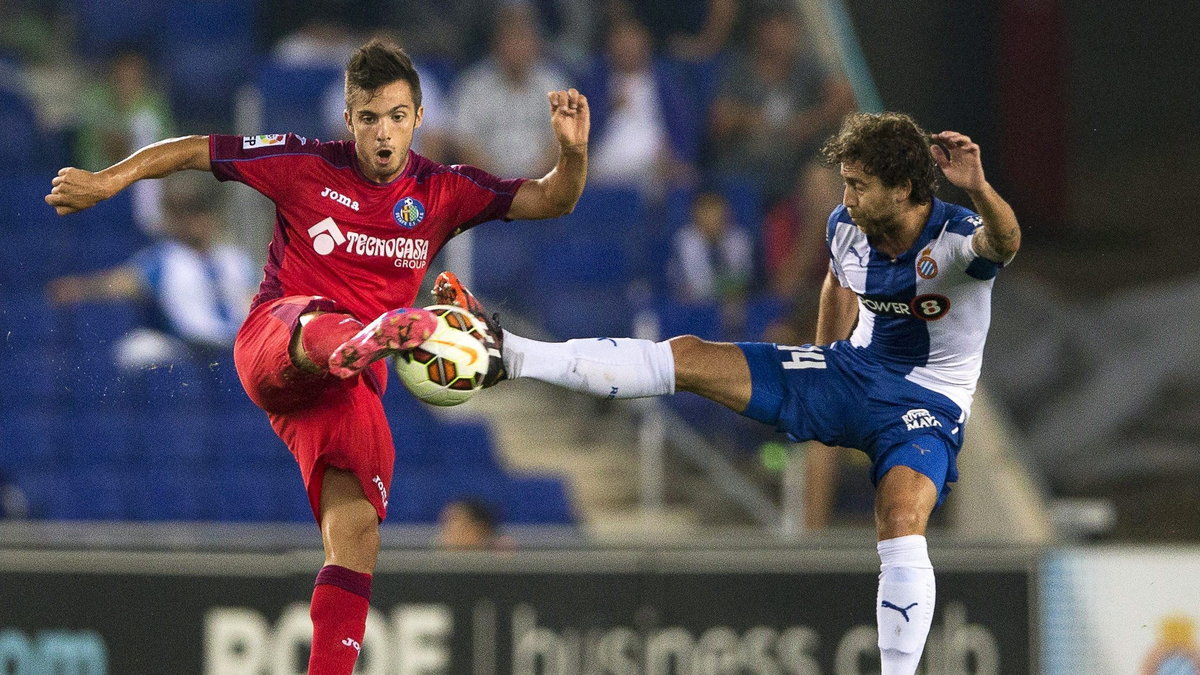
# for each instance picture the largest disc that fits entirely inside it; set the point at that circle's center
(556, 193)
(76, 189)
(1000, 237)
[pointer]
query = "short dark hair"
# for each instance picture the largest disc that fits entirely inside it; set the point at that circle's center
(889, 145)
(379, 63)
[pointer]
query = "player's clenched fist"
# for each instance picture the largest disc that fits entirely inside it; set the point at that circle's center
(570, 118)
(75, 190)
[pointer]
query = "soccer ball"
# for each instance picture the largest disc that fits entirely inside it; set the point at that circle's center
(448, 368)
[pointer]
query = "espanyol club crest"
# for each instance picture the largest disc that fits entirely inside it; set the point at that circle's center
(927, 267)
(408, 212)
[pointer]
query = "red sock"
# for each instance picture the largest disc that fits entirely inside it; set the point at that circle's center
(325, 333)
(339, 616)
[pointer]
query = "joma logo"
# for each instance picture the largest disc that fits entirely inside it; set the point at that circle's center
(340, 198)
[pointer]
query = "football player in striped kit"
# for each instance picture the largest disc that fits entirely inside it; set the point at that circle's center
(904, 314)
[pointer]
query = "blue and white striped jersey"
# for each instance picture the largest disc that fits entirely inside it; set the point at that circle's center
(200, 298)
(926, 312)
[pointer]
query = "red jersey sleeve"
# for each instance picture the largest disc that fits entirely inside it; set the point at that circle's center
(263, 162)
(492, 196)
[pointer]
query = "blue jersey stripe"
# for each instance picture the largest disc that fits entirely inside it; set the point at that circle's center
(896, 338)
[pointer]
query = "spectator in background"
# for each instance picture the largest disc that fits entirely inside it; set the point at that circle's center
(687, 30)
(471, 524)
(456, 32)
(712, 261)
(322, 41)
(118, 114)
(795, 257)
(13, 502)
(643, 124)
(500, 103)
(774, 105)
(193, 289)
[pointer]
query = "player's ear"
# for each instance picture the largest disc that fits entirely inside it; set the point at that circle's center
(419, 118)
(346, 116)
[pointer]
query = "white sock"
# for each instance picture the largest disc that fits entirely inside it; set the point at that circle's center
(904, 605)
(605, 367)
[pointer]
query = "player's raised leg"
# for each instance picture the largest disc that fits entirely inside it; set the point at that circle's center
(342, 594)
(905, 600)
(613, 367)
(392, 331)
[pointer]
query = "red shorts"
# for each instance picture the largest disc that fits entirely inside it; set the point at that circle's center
(325, 421)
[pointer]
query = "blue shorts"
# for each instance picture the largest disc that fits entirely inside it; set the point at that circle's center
(840, 395)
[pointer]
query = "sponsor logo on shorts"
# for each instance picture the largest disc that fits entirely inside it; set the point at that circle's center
(919, 418)
(382, 490)
(351, 642)
(406, 252)
(340, 198)
(263, 140)
(408, 212)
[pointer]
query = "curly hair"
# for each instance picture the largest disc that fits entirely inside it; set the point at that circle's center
(378, 63)
(889, 145)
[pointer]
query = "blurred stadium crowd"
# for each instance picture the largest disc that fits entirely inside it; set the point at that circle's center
(704, 214)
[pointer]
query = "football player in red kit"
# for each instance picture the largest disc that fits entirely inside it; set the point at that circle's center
(356, 225)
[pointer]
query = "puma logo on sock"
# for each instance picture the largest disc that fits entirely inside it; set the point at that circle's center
(903, 612)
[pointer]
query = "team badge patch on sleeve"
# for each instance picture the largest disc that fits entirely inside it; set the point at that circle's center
(262, 140)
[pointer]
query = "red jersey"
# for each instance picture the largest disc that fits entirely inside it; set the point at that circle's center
(341, 236)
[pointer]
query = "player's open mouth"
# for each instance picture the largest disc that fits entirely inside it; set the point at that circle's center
(383, 155)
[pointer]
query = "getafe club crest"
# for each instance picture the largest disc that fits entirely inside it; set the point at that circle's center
(408, 212)
(927, 267)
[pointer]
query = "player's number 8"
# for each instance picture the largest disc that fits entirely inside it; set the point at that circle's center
(930, 307)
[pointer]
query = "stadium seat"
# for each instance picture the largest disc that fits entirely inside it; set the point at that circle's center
(103, 26)
(538, 499)
(244, 435)
(254, 491)
(172, 490)
(33, 256)
(292, 500)
(28, 320)
(291, 97)
(76, 493)
(30, 438)
(585, 311)
(224, 388)
(97, 326)
(701, 319)
(167, 387)
(206, 47)
(31, 376)
(467, 446)
(101, 436)
(182, 434)
(23, 138)
(503, 254)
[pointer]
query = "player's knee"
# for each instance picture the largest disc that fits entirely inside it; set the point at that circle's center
(899, 520)
(690, 354)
